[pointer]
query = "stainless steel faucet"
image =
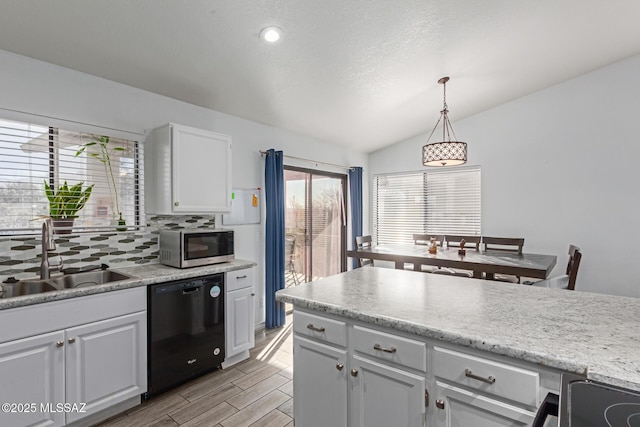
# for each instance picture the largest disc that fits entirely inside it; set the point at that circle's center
(47, 245)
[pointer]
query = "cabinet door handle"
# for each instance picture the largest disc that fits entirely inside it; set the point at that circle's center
(354, 372)
(440, 404)
(59, 343)
(426, 398)
(241, 277)
(489, 380)
(340, 366)
(72, 340)
(386, 350)
(253, 294)
(314, 328)
(176, 203)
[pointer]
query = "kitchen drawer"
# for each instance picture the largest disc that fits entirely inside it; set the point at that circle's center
(320, 328)
(488, 376)
(391, 348)
(239, 279)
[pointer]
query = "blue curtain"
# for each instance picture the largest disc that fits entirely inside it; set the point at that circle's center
(355, 190)
(274, 250)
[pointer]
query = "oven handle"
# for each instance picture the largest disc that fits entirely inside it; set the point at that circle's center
(549, 406)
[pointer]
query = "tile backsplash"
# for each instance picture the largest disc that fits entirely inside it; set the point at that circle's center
(20, 255)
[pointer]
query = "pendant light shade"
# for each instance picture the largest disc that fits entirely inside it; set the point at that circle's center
(448, 152)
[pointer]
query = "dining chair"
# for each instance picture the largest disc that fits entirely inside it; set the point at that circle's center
(454, 242)
(567, 280)
(469, 241)
(363, 242)
(289, 253)
(505, 244)
(425, 240)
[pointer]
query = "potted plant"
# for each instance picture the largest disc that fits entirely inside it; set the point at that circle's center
(100, 150)
(64, 204)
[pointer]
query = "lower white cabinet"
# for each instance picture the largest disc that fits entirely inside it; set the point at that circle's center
(31, 374)
(456, 407)
(95, 360)
(239, 316)
(385, 396)
(349, 373)
(319, 384)
(105, 362)
(354, 376)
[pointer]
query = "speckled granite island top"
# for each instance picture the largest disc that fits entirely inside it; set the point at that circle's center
(142, 275)
(573, 331)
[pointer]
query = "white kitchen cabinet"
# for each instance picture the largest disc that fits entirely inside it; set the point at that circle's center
(239, 316)
(30, 374)
(456, 407)
(319, 384)
(187, 171)
(105, 362)
(400, 379)
(383, 395)
(90, 351)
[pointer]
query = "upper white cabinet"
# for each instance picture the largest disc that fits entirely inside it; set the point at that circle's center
(187, 171)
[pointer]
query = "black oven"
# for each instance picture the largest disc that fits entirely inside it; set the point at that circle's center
(186, 335)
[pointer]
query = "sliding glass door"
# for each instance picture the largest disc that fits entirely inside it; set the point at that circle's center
(315, 224)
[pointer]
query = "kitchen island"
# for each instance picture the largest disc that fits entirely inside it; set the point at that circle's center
(540, 331)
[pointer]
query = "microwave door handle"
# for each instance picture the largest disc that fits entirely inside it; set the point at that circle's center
(549, 406)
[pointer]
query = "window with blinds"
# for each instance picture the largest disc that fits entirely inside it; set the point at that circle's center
(431, 202)
(31, 155)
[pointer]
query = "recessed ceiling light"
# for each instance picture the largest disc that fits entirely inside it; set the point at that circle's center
(271, 34)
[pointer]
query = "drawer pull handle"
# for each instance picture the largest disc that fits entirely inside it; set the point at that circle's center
(340, 366)
(440, 404)
(386, 350)
(489, 380)
(314, 328)
(241, 277)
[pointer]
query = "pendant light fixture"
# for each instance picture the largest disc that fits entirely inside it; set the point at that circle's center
(447, 152)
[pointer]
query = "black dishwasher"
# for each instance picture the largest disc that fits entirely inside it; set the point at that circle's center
(186, 330)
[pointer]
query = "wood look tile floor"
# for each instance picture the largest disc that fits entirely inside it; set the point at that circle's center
(257, 392)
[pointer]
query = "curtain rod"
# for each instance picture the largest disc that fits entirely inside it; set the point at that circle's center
(264, 153)
(71, 121)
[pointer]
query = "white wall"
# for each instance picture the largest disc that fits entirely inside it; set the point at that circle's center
(559, 167)
(45, 89)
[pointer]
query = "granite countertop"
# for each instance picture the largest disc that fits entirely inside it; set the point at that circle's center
(585, 333)
(142, 275)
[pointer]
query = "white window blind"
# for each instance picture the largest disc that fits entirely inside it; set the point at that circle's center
(32, 154)
(434, 202)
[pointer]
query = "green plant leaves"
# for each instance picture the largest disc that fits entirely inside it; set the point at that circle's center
(67, 201)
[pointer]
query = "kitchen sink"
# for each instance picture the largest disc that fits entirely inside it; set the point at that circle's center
(67, 281)
(25, 287)
(87, 278)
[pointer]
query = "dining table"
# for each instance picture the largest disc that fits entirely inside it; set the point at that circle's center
(483, 264)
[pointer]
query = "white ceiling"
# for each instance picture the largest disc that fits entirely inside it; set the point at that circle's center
(357, 72)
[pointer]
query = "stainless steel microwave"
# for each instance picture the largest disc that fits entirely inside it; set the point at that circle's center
(195, 247)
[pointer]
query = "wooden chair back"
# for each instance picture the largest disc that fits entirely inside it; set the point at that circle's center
(572, 267)
(363, 242)
(470, 241)
(507, 244)
(425, 239)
